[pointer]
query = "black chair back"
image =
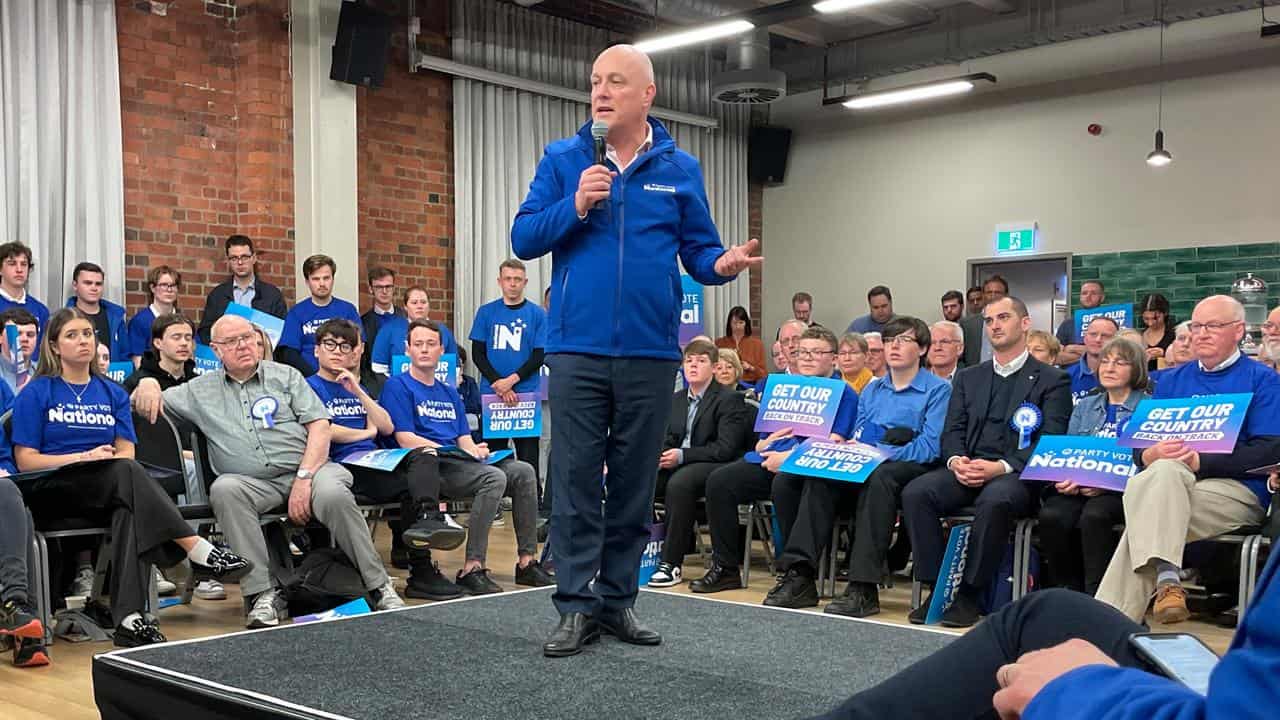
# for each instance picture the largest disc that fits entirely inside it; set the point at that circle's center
(160, 450)
(204, 468)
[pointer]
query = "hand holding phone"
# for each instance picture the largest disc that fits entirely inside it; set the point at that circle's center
(1179, 656)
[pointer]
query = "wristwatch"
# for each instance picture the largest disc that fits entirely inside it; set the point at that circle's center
(303, 474)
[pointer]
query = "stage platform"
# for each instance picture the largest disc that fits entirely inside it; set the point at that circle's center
(480, 659)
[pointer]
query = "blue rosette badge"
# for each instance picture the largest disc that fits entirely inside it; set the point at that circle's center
(1026, 420)
(264, 411)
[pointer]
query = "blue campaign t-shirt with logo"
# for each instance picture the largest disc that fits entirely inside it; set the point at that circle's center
(303, 319)
(345, 410)
(510, 333)
(1083, 380)
(1110, 425)
(55, 417)
(391, 339)
(433, 411)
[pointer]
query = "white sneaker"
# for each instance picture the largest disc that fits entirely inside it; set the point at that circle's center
(265, 611)
(210, 590)
(163, 586)
(667, 575)
(387, 597)
(82, 585)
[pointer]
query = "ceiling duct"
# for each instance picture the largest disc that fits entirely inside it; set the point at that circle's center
(748, 79)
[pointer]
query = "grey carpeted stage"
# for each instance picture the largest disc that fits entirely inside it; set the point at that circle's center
(481, 659)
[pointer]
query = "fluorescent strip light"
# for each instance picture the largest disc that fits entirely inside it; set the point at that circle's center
(696, 36)
(897, 97)
(835, 6)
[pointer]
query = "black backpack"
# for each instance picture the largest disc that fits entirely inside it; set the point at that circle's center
(323, 580)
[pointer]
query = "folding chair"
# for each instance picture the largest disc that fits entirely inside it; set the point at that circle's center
(759, 515)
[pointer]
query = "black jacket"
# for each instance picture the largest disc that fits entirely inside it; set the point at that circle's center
(719, 426)
(150, 368)
(266, 298)
(1044, 386)
(972, 328)
(372, 323)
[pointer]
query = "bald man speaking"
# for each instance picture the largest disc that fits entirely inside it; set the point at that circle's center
(614, 229)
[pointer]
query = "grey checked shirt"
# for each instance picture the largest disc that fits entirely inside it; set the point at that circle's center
(238, 442)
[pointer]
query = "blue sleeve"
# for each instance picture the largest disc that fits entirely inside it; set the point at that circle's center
(700, 244)
(139, 334)
(846, 414)
(926, 445)
(6, 397)
(291, 336)
(1067, 331)
(540, 327)
(1263, 416)
(381, 354)
(1102, 692)
(865, 405)
(395, 399)
(460, 426)
(122, 411)
(480, 326)
(547, 217)
(446, 337)
(28, 415)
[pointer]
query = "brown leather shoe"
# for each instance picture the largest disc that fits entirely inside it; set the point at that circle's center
(1171, 604)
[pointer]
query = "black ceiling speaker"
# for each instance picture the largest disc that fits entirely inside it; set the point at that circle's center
(360, 49)
(767, 149)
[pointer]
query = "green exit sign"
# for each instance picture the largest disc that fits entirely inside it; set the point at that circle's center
(1015, 237)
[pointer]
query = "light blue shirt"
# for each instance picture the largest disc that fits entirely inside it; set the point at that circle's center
(245, 297)
(920, 406)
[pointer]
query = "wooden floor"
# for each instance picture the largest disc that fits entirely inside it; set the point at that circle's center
(64, 691)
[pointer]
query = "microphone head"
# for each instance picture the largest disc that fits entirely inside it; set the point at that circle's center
(599, 130)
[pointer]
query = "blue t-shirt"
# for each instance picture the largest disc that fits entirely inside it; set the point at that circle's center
(303, 319)
(139, 333)
(1109, 426)
(510, 335)
(846, 420)
(1244, 376)
(391, 338)
(1083, 380)
(33, 306)
(434, 411)
(48, 417)
(345, 410)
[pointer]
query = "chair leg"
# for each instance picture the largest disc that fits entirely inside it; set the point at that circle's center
(916, 589)
(746, 546)
(1246, 573)
(44, 594)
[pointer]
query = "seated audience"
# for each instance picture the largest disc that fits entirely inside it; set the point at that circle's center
(901, 414)
(984, 452)
(275, 455)
(1084, 372)
(1182, 495)
(802, 307)
(977, 344)
(102, 358)
(244, 287)
(262, 344)
(1179, 351)
(875, 354)
(1077, 535)
(429, 414)
(382, 287)
(880, 305)
(973, 301)
(789, 335)
(1157, 332)
(707, 429)
(1092, 294)
(71, 420)
(739, 338)
(163, 283)
(945, 348)
(952, 306)
(16, 369)
(728, 370)
(87, 285)
(1043, 347)
(851, 361)
(395, 331)
(743, 481)
(15, 270)
(297, 345)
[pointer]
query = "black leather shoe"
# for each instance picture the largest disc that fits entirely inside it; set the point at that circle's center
(717, 579)
(794, 591)
(918, 616)
(859, 600)
(575, 631)
(624, 625)
(963, 613)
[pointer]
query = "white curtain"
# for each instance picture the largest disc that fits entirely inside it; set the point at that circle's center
(499, 134)
(61, 163)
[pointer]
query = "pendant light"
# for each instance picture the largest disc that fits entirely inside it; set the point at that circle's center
(1160, 157)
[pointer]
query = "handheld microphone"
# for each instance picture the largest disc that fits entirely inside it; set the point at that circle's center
(599, 131)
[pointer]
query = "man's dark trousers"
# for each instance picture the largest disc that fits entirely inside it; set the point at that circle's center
(614, 411)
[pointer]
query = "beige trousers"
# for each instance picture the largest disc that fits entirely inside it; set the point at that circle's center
(1165, 507)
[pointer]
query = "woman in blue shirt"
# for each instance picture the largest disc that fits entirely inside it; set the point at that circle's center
(73, 422)
(392, 335)
(1077, 524)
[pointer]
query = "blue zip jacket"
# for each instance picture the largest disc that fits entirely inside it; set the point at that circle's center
(615, 284)
(119, 344)
(1244, 685)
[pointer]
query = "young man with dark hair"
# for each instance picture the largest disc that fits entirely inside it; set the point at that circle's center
(169, 360)
(952, 305)
(87, 284)
(244, 287)
(973, 301)
(880, 304)
(298, 340)
(15, 270)
(382, 286)
(163, 283)
(27, 328)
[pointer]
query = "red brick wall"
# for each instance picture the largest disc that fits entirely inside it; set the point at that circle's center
(206, 111)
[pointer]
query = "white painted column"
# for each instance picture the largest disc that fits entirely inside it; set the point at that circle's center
(324, 149)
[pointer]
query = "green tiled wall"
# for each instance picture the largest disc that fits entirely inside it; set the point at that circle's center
(1183, 275)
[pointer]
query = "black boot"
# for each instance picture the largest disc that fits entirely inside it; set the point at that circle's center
(860, 599)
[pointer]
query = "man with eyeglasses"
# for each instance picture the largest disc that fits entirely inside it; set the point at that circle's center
(269, 436)
(875, 354)
(1084, 372)
(998, 411)
(382, 286)
(244, 287)
(1181, 495)
(15, 271)
(945, 349)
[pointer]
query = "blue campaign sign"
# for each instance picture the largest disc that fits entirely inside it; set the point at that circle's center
(848, 462)
(359, 606)
(118, 371)
(807, 405)
(950, 574)
(690, 310)
(386, 459)
(500, 420)
(270, 324)
(1088, 461)
(448, 362)
(1122, 313)
(1208, 423)
(206, 360)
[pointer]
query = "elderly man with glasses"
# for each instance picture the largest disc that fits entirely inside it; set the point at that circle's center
(1182, 495)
